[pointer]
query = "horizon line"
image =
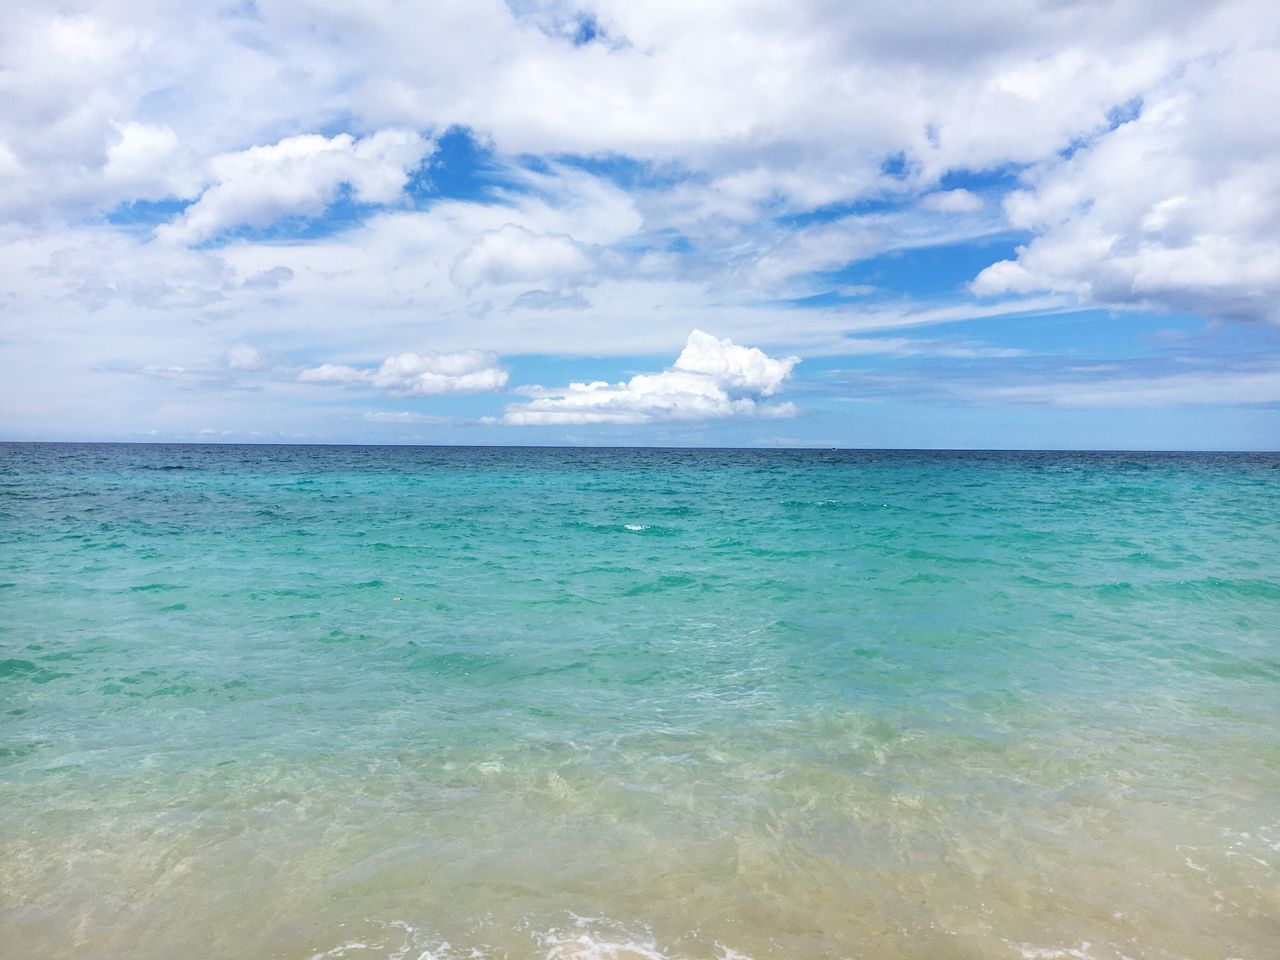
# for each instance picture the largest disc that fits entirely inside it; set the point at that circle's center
(624, 446)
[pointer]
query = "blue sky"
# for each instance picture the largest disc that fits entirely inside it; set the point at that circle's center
(913, 225)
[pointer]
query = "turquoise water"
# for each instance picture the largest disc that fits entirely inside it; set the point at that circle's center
(300, 702)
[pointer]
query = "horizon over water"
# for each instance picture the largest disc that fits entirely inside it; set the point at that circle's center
(796, 448)
(329, 702)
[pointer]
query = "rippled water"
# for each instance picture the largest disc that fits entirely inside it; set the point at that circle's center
(448, 703)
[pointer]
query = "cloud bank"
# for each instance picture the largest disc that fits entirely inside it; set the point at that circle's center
(1176, 209)
(419, 374)
(529, 189)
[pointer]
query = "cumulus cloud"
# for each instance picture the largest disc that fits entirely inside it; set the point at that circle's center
(419, 374)
(66, 81)
(147, 163)
(515, 254)
(1177, 209)
(746, 370)
(711, 378)
(299, 176)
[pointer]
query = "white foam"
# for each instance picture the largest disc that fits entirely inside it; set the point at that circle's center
(594, 938)
(340, 950)
(587, 947)
(583, 938)
(413, 945)
(1057, 953)
(637, 527)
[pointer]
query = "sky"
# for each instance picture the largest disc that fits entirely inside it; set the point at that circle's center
(959, 225)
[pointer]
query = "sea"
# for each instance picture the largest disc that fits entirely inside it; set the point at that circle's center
(433, 703)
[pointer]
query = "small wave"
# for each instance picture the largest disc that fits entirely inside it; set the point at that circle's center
(403, 941)
(398, 941)
(927, 578)
(598, 939)
(1144, 559)
(670, 581)
(1208, 588)
(594, 938)
(580, 938)
(343, 636)
(830, 503)
(586, 947)
(636, 527)
(676, 511)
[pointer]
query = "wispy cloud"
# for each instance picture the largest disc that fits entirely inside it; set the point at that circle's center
(1199, 388)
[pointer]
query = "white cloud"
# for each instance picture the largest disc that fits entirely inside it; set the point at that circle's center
(1177, 210)
(147, 163)
(244, 357)
(800, 109)
(94, 268)
(62, 86)
(515, 254)
(419, 374)
(737, 369)
(299, 176)
(629, 189)
(402, 417)
(711, 378)
(952, 201)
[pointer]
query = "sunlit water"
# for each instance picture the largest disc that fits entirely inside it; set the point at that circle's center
(509, 703)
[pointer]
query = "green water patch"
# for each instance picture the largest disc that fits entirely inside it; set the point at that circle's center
(17, 670)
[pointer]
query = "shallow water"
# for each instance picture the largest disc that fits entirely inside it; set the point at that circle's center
(301, 702)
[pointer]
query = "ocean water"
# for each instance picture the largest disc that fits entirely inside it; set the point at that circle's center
(435, 704)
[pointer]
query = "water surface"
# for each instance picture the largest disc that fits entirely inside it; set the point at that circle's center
(344, 702)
